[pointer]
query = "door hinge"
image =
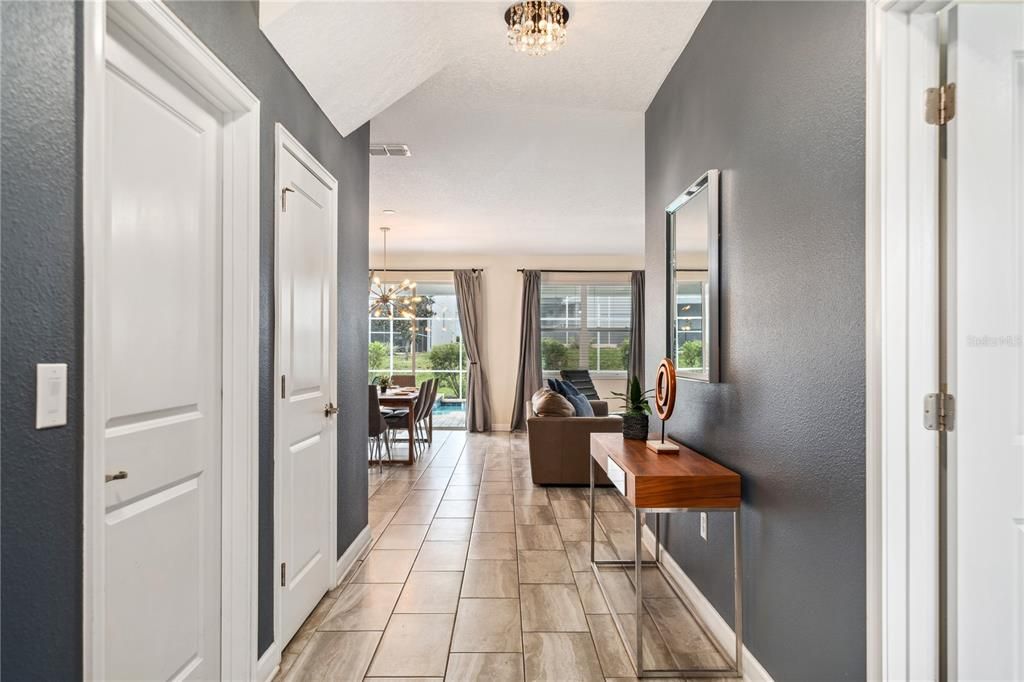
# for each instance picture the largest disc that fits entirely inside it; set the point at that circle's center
(284, 574)
(282, 386)
(284, 199)
(940, 104)
(939, 412)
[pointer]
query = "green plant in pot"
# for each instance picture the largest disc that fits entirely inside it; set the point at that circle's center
(635, 418)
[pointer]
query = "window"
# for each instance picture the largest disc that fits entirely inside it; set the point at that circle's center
(585, 326)
(429, 346)
(691, 293)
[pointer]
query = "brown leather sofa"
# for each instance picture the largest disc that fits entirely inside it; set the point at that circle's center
(560, 446)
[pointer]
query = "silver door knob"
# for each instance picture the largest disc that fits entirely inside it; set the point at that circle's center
(119, 476)
(330, 410)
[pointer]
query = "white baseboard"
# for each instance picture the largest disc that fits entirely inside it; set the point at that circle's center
(347, 560)
(705, 612)
(505, 428)
(268, 664)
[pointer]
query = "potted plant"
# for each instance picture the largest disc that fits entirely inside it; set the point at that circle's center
(635, 418)
(384, 383)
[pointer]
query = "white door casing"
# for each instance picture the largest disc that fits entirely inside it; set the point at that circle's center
(305, 349)
(902, 335)
(170, 203)
(985, 195)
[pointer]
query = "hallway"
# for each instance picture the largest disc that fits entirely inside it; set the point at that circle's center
(475, 573)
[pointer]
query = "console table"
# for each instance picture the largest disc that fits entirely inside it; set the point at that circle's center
(658, 484)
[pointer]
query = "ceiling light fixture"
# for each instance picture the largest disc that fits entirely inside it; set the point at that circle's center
(536, 27)
(391, 301)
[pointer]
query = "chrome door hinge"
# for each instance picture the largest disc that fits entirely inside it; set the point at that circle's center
(939, 412)
(284, 199)
(940, 104)
(284, 574)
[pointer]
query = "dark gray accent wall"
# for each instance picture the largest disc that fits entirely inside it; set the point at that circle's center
(42, 311)
(40, 321)
(773, 94)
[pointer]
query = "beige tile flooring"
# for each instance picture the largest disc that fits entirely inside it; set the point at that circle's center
(476, 574)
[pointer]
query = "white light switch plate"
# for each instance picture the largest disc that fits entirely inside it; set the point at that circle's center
(51, 395)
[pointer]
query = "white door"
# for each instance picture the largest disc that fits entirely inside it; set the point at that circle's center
(985, 362)
(159, 366)
(306, 442)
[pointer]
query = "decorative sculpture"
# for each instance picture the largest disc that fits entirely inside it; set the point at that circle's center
(664, 403)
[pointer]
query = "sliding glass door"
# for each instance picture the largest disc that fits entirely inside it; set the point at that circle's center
(428, 346)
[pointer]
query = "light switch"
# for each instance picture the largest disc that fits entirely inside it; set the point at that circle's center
(51, 395)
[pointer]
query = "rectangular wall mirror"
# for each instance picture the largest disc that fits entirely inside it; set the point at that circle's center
(692, 231)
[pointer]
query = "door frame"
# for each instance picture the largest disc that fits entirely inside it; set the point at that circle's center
(286, 143)
(155, 27)
(902, 340)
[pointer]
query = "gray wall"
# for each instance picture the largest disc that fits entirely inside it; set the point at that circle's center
(40, 321)
(773, 95)
(42, 311)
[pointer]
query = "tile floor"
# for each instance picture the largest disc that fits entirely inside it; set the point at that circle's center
(476, 574)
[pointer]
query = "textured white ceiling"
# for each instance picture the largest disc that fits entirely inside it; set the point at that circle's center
(509, 152)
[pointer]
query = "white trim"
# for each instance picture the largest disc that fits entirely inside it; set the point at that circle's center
(285, 142)
(355, 551)
(705, 612)
(901, 286)
(154, 26)
(269, 664)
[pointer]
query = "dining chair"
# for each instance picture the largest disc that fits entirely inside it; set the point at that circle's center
(427, 408)
(403, 380)
(399, 421)
(378, 430)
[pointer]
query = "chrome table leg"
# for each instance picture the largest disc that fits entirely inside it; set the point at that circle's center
(638, 562)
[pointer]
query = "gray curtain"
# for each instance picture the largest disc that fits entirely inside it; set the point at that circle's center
(470, 301)
(636, 332)
(529, 378)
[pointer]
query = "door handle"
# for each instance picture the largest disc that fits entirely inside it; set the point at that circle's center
(119, 476)
(330, 410)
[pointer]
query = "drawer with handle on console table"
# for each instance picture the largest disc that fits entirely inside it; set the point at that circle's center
(659, 484)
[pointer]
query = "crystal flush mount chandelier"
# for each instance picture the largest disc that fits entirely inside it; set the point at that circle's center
(536, 27)
(395, 300)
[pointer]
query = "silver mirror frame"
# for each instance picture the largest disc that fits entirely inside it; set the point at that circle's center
(709, 182)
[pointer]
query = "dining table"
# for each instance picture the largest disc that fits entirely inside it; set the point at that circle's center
(405, 399)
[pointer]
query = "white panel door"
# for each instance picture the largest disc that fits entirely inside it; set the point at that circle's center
(306, 443)
(160, 365)
(986, 305)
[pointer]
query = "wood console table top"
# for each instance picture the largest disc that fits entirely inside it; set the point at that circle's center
(684, 481)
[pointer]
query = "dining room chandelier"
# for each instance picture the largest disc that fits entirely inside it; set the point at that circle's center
(391, 300)
(536, 27)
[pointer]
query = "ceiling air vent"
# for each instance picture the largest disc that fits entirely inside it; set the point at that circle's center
(390, 150)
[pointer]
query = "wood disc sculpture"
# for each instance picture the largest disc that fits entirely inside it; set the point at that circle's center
(664, 403)
(665, 389)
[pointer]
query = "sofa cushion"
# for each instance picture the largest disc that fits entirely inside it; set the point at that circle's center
(547, 403)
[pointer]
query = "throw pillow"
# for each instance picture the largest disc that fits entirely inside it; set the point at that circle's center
(578, 401)
(547, 403)
(568, 389)
(581, 405)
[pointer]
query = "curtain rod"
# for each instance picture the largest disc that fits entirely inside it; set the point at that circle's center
(579, 271)
(427, 269)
